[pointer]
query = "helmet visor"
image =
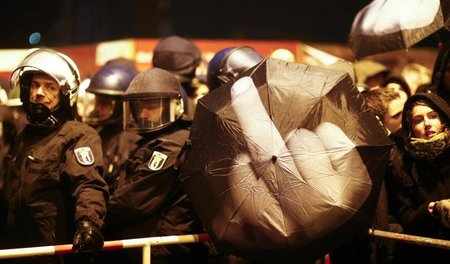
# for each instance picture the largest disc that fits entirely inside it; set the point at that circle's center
(97, 109)
(150, 114)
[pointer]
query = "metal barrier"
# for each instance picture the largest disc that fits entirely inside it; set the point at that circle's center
(145, 243)
(410, 239)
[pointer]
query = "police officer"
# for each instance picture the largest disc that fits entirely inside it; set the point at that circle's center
(149, 200)
(4, 139)
(53, 192)
(105, 114)
(12, 121)
(181, 57)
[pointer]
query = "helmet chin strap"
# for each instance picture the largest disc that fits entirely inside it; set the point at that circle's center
(40, 114)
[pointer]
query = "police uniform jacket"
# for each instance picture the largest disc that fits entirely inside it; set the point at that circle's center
(117, 146)
(149, 200)
(53, 180)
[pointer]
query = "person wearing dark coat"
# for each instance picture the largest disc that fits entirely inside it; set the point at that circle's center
(105, 114)
(440, 78)
(418, 184)
(52, 189)
(181, 57)
(149, 200)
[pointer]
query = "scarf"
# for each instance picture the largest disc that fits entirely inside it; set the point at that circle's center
(429, 148)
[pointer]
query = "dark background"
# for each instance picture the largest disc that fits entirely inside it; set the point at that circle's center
(68, 22)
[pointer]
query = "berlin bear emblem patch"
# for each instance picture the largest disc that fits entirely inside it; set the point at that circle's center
(84, 156)
(157, 161)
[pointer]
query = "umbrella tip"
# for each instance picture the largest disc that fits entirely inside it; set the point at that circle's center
(274, 159)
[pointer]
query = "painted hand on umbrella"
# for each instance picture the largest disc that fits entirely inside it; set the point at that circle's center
(308, 173)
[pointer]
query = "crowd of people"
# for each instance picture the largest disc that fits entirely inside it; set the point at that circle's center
(84, 161)
(413, 199)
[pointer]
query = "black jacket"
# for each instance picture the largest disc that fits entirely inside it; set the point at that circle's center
(150, 201)
(117, 146)
(412, 184)
(438, 75)
(52, 179)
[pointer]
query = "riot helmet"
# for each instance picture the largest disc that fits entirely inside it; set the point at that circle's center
(104, 94)
(121, 62)
(3, 96)
(178, 56)
(228, 63)
(13, 113)
(14, 97)
(4, 87)
(283, 54)
(152, 101)
(62, 70)
(83, 102)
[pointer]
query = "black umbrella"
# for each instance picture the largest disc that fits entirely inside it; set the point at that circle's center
(387, 25)
(285, 164)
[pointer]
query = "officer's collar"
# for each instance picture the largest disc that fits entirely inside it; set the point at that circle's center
(38, 130)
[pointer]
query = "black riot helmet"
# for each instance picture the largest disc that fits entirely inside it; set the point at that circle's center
(62, 70)
(152, 101)
(228, 63)
(178, 56)
(104, 91)
(121, 62)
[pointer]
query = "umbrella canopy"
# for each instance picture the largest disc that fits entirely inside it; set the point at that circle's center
(387, 25)
(286, 163)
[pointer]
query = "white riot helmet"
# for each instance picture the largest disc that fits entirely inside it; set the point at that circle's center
(60, 68)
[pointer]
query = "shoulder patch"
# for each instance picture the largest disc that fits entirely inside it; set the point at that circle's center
(157, 161)
(84, 156)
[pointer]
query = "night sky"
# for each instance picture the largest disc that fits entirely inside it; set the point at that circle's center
(68, 22)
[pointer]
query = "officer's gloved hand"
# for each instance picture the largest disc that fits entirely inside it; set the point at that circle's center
(441, 209)
(87, 237)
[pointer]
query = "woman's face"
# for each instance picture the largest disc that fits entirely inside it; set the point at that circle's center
(426, 122)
